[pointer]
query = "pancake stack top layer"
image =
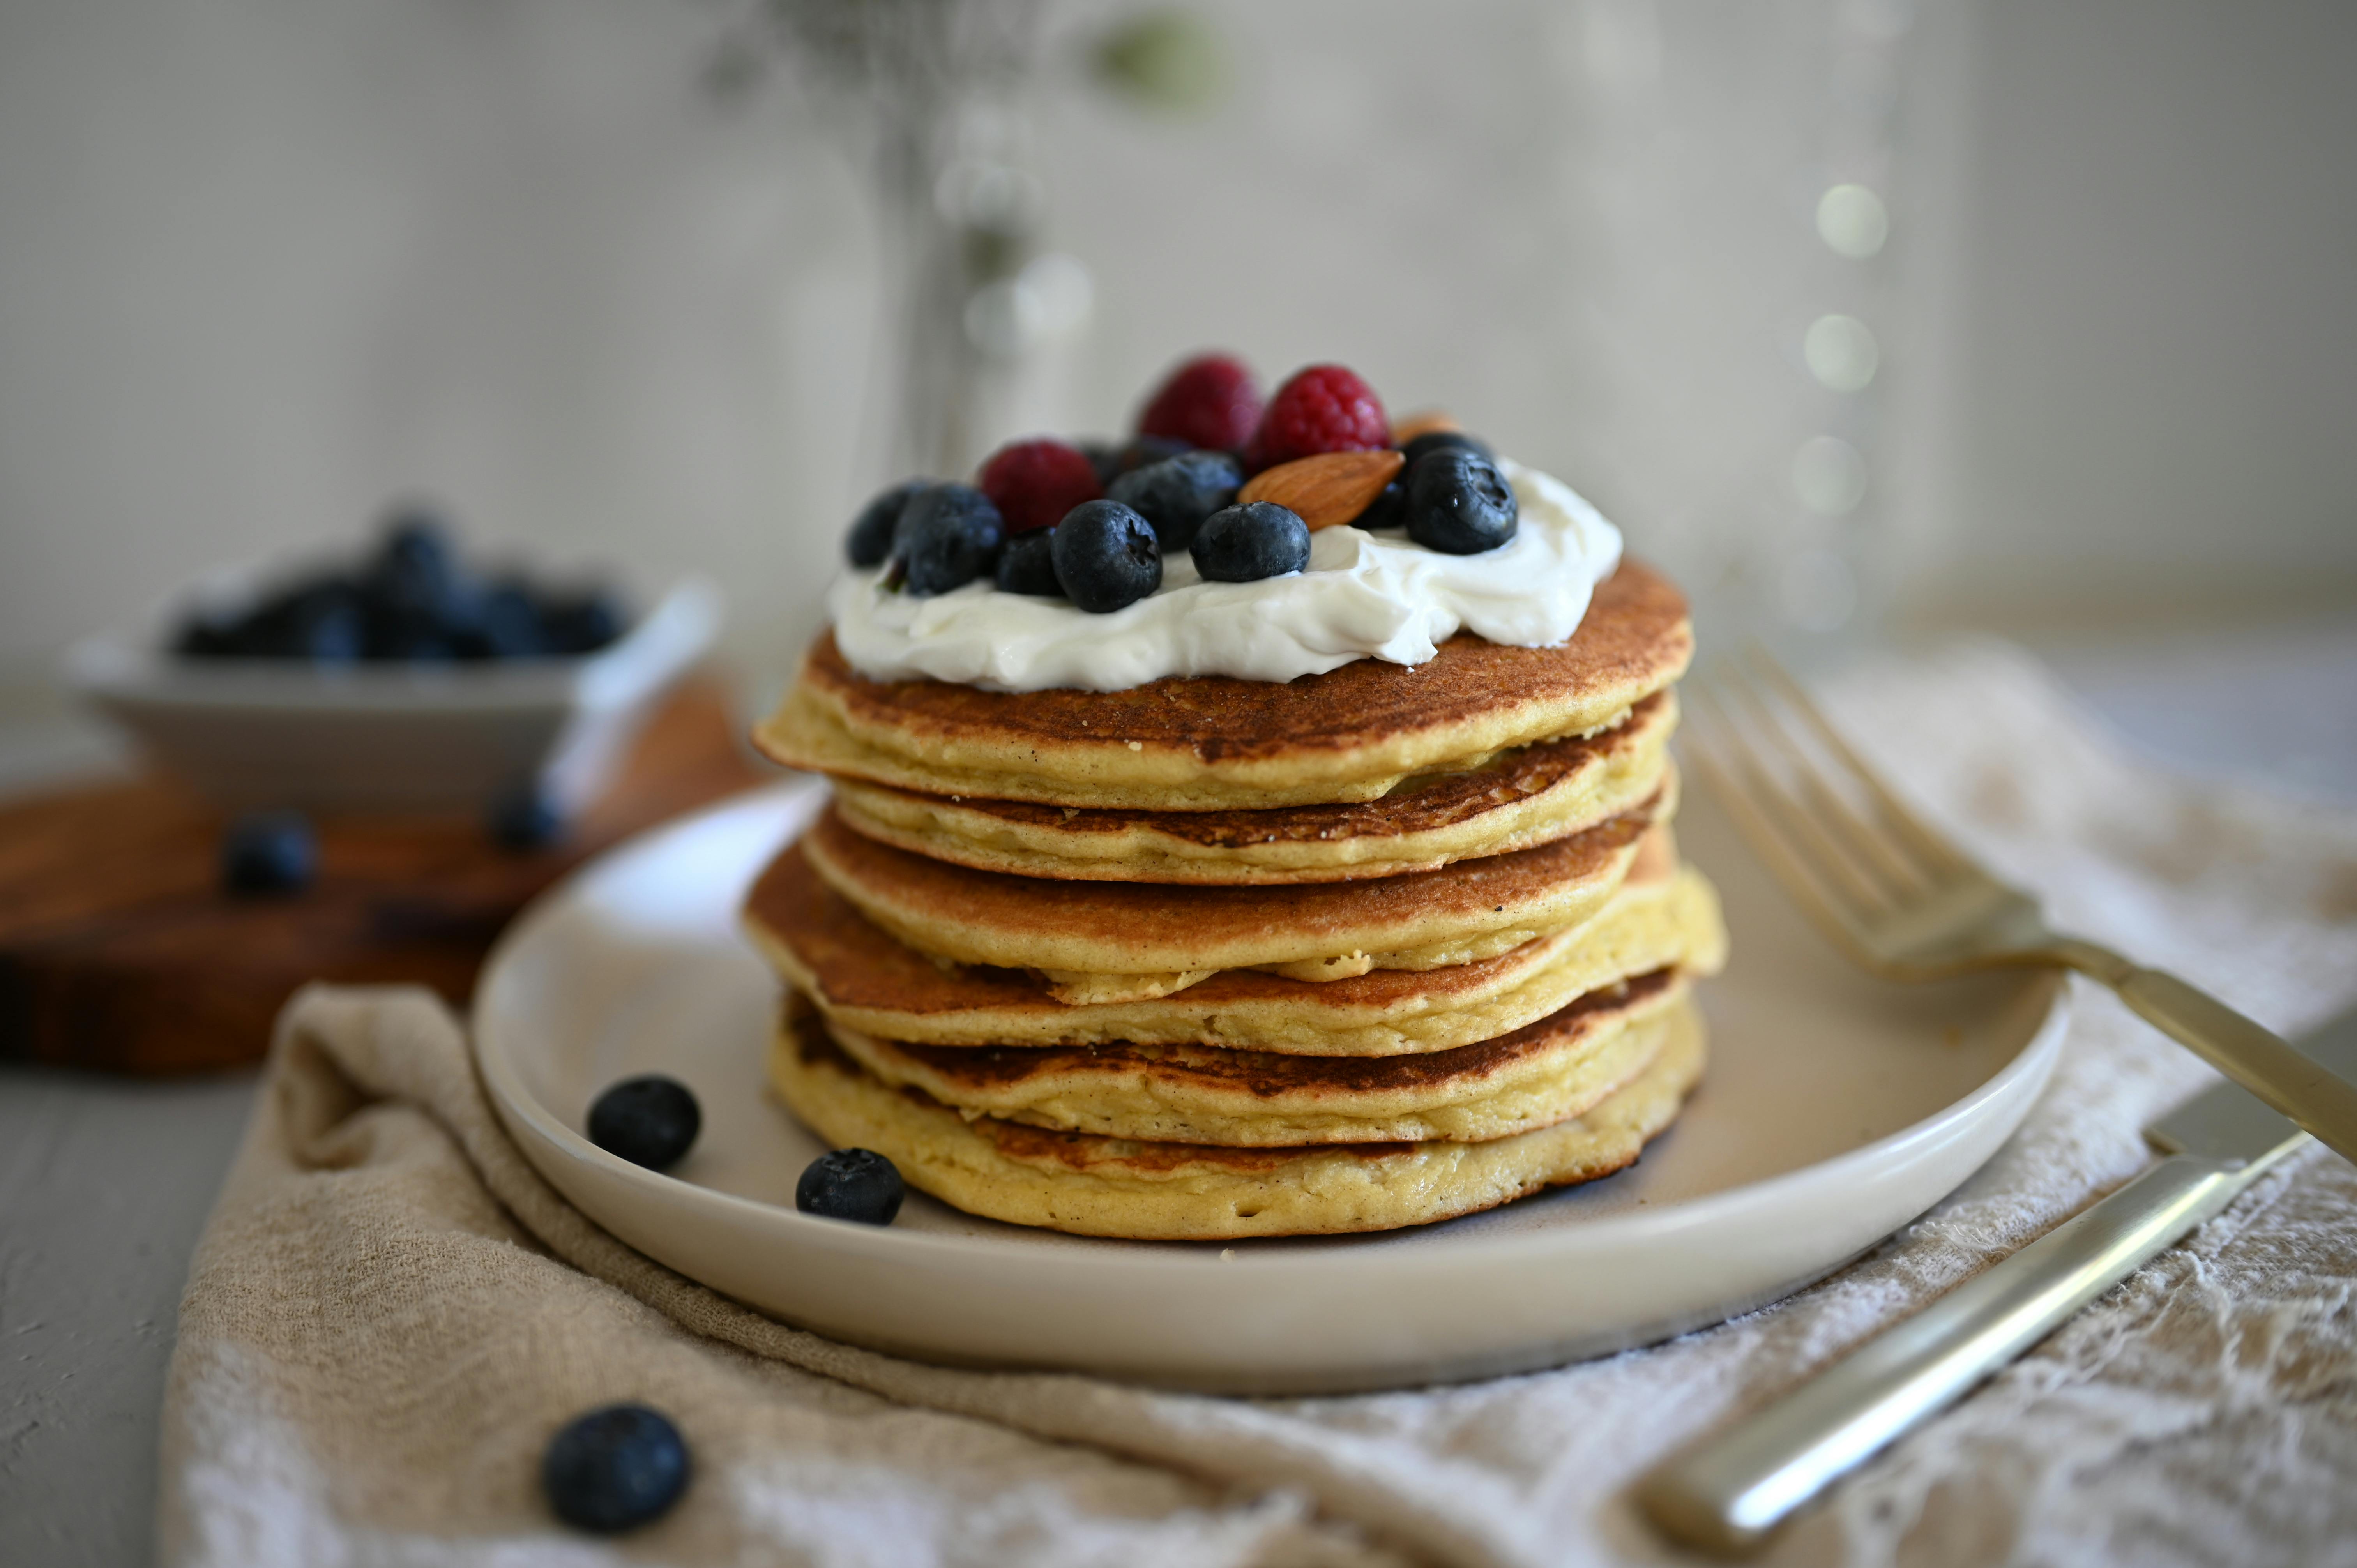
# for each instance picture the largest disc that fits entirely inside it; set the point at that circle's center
(1211, 958)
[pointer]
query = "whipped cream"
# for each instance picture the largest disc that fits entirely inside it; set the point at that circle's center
(1364, 596)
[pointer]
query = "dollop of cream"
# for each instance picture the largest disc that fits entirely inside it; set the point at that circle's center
(1364, 596)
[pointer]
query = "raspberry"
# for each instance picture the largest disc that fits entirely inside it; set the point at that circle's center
(1210, 402)
(1322, 409)
(1035, 483)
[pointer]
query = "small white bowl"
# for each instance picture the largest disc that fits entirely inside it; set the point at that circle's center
(282, 733)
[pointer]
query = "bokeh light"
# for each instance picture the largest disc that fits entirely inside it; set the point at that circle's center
(1829, 476)
(1841, 353)
(1852, 221)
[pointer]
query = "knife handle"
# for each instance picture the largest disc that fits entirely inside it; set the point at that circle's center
(1727, 1493)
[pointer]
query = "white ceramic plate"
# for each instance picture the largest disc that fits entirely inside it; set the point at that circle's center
(1835, 1109)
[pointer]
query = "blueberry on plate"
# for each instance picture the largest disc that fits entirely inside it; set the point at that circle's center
(269, 852)
(1244, 544)
(1459, 504)
(870, 540)
(1177, 494)
(947, 536)
(1106, 556)
(525, 818)
(851, 1184)
(1444, 441)
(1027, 564)
(615, 1468)
(648, 1120)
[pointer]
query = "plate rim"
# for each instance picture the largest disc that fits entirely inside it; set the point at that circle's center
(885, 1244)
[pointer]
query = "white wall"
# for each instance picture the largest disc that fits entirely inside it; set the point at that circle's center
(266, 262)
(2154, 394)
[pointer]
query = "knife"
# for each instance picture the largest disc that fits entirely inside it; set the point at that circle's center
(1726, 1493)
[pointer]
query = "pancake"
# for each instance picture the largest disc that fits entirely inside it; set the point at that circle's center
(1534, 1077)
(1216, 743)
(1662, 914)
(1532, 795)
(1112, 941)
(1091, 1185)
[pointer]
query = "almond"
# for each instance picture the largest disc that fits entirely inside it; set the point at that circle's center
(1329, 488)
(1409, 426)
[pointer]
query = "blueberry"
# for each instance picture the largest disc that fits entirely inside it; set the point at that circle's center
(1444, 441)
(851, 1184)
(1246, 544)
(506, 624)
(1106, 556)
(648, 1120)
(1177, 494)
(572, 624)
(1104, 457)
(870, 540)
(269, 852)
(1459, 504)
(525, 818)
(615, 1468)
(1027, 564)
(947, 536)
(1388, 510)
(415, 572)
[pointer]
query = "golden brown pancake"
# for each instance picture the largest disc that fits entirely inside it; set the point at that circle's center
(1212, 743)
(1534, 1077)
(1168, 936)
(1661, 915)
(1529, 796)
(1093, 1185)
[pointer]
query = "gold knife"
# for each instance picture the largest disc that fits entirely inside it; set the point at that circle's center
(1727, 1493)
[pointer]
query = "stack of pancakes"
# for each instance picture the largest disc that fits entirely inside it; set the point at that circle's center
(1211, 958)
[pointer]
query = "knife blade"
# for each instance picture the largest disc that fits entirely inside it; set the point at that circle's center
(1727, 1493)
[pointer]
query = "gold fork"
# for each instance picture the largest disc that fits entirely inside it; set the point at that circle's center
(1908, 904)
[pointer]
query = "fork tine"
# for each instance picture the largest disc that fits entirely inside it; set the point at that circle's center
(1863, 840)
(1928, 842)
(1820, 904)
(1761, 801)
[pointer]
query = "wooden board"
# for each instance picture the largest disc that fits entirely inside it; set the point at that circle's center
(119, 950)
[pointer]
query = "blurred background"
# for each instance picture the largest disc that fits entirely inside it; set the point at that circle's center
(1865, 317)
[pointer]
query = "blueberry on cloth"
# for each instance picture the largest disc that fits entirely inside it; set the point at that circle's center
(851, 1184)
(870, 540)
(615, 1468)
(1177, 494)
(525, 818)
(1106, 556)
(1027, 564)
(1459, 504)
(1247, 542)
(269, 852)
(648, 1120)
(1444, 441)
(947, 535)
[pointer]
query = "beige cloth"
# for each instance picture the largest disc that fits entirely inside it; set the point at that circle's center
(390, 1311)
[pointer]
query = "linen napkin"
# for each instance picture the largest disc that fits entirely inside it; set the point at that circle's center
(390, 1312)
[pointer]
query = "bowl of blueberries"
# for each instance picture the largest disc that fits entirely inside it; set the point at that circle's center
(407, 679)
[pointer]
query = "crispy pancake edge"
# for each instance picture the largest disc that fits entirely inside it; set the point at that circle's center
(1217, 742)
(1097, 1186)
(1527, 797)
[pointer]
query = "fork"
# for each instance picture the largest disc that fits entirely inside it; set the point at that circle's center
(1908, 904)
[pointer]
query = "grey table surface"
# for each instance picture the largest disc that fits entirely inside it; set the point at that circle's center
(104, 1183)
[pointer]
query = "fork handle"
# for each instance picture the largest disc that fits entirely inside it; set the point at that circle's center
(2311, 1094)
(1729, 1490)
